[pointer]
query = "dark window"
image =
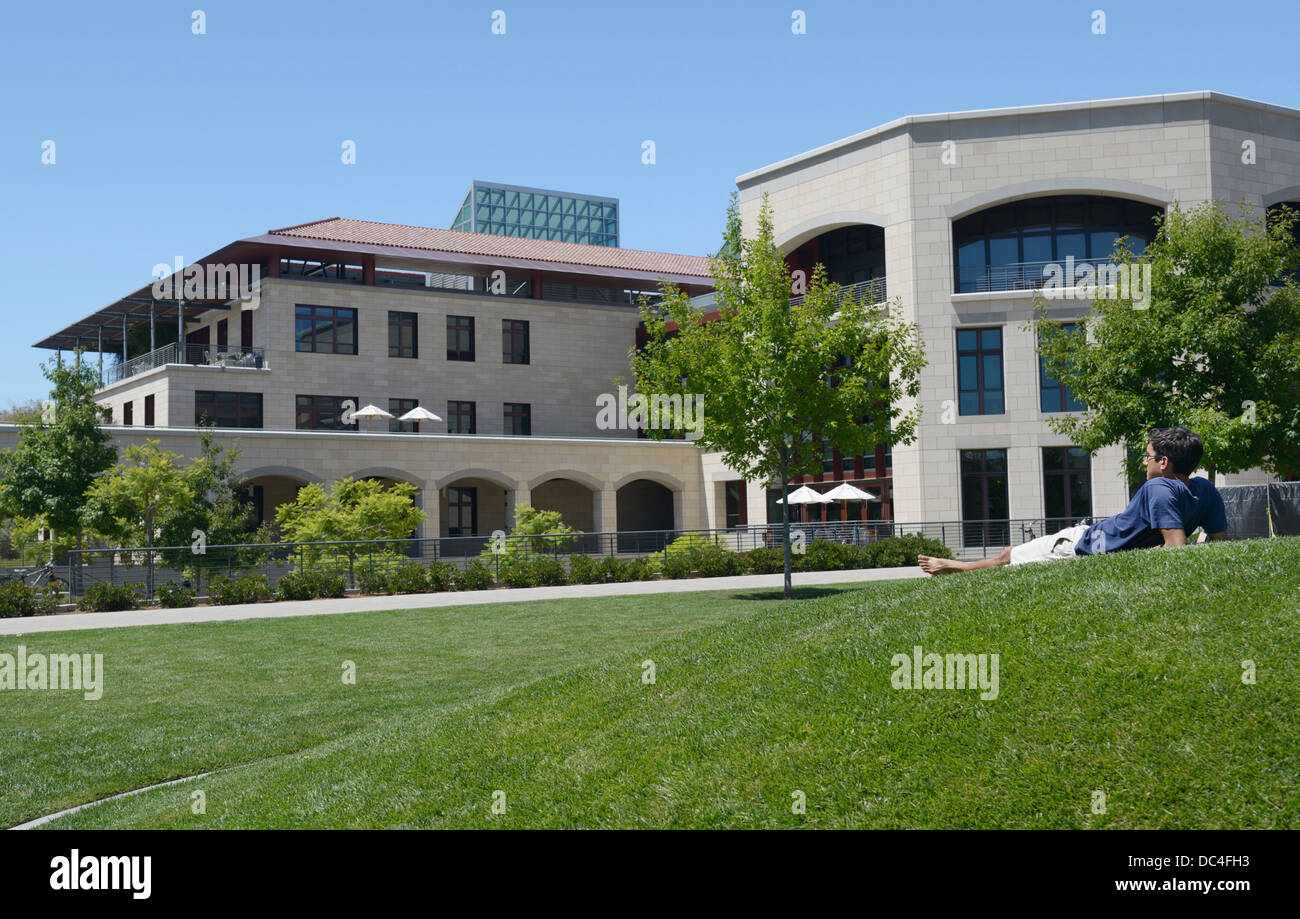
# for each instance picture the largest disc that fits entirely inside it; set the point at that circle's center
(148, 411)
(402, 335)
(1006, 247)
(228, 409)
(128, 412)
(985, 508)
(324, 413)
(461, 418)
(979, 371)
(1054, 396)
(514, 344)
(737, 515)
(1067, 487)
(246, 328)
(518, 418)
(460, 338)
(223, 334)
(325, 329)
(462, 511)
(397, 408)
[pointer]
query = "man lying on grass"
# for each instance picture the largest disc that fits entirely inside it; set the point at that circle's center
(1167, 507)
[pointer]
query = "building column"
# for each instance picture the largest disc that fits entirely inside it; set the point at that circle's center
(430, 502)
(521, 494)
(604, 510)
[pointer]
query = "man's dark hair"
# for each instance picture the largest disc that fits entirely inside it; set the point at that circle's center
(1181, 447)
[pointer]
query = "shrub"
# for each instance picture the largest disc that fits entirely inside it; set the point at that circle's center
(311, 584)
(174, 596)
(678, 565)
(105, 597)
(549, 572)
(517, 571)
(443, 576)
(476, 576)
(764, 561)
(583, 569)
(375, 582)
(824, 555)
(644, 569)
(613, 568)
(251, 588)
(688, 543)
(713, 561)
(409, 578)
(17, 598)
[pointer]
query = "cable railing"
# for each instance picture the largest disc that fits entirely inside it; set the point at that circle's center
(873, 291)
(1018, 275)
(200, 355)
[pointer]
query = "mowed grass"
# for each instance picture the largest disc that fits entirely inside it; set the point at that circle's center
(1120, 674)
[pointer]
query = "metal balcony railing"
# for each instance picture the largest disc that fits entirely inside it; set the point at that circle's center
(1018, 275)
(874, 291)
(196, 355)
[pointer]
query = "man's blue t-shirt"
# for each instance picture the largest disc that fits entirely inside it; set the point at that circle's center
(1160, 504)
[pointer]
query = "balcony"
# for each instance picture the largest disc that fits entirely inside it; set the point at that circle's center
(1019, 275)
(194, 355)
(874, 291)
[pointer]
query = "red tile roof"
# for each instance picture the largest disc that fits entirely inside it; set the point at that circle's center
(368, 232)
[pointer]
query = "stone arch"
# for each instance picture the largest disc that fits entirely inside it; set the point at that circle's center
(800, 233)
(1115, 188)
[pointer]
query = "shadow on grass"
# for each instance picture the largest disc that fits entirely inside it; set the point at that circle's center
(800, 593)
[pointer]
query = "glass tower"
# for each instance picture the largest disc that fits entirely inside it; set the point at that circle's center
(538, 213)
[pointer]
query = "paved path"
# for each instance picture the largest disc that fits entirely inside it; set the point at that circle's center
(67, 622)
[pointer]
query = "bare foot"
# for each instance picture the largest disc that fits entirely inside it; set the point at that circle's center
(931, 565)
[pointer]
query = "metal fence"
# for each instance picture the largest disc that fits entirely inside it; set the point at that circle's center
(200, 355)
(151, 567)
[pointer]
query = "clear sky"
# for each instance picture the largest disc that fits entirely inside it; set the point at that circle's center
(169, 143)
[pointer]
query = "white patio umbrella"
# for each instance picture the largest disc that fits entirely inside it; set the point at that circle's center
(805, 495)
(371, 411)
(846, 493)
(418, 414)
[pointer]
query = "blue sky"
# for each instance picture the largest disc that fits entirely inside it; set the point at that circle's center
(170, 143)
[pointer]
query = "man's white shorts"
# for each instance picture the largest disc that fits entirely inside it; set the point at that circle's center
(1047, 548)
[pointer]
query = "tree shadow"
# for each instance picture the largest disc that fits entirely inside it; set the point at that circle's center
(810, 592)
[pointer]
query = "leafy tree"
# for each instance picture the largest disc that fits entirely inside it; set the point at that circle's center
(1216, 348)
(59, 452)
(781, 380)
(129, 503)
(545, 531)
(354, 509)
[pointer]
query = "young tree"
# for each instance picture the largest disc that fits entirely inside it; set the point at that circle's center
(780, 380)
(354, 509)
(1215, 347)
(129, 502)
(59, 452)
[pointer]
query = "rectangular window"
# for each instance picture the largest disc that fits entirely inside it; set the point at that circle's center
(979, 371)
(402, 334)
(985, 507)
(514, 344)
(737, 515)
(325, 329)
(223, 335)
(128, 412)
(1054, 396)
(460, 338)
(246, 328)
(397, 408)
(462, 511)
(461, 418)
(228, 409)
(324, 413)
(1067, 487)
(148, 411)
(518, 418)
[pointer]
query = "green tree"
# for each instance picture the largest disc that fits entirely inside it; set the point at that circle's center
(780, 380)
(129, 503)
(1215, 346)
(59, 452)
(354, 509)
(544, 532)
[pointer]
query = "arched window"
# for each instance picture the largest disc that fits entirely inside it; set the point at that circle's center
(1007, 247)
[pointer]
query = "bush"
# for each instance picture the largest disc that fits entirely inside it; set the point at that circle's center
(105, 597)
(517, 571)
(375, 582)
(613, 568)
(678, 565)
(764, 561)
(443, 576)
(409, 578)
(251, 588)
(476, 576)
(688, 543)
(174, 596)
(583, 569)
(644, 569)
(713, 561)
(311, 584)
(17, 598)
(549, 572)
(824, 555)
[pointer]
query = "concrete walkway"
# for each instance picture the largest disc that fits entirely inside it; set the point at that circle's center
(68, 622)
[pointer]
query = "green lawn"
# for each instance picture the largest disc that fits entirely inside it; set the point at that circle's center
(1119, 674)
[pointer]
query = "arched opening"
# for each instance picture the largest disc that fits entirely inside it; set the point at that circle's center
(1010, 246)
(1274, 211)
(574, 501)
(853, 255)
(645, 516)
(267, 492)
(470, 509)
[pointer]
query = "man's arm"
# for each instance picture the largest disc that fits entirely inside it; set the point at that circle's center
(1173, 538)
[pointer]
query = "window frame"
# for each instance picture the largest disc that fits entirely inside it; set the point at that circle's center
(454, 410)
(400, 320)
(979, 353)
(244, 403)
(317, 319)
(456, 327)
(316, 410)
(511, 332)
(508, 417)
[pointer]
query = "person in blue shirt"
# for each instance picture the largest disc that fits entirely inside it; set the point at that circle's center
(1169, 505)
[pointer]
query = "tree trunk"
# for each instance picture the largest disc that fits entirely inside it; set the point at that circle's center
(785, 531)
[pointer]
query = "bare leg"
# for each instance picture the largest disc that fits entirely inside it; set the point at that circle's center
(931, 565)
